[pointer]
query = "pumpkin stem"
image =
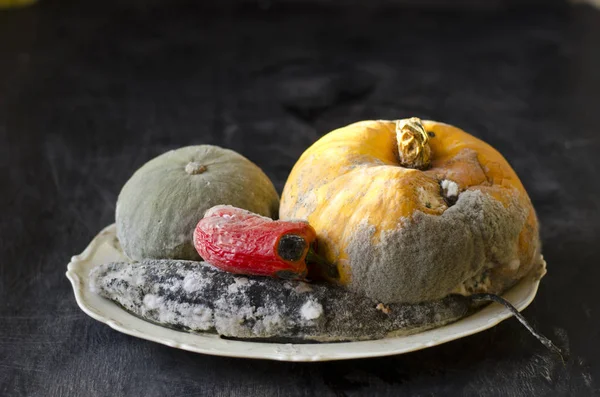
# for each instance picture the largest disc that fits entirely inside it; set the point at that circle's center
(413, 143)
(194, 168)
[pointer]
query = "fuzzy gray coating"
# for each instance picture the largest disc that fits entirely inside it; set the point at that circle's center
(431, 256)
(160, 205)
(197, 297)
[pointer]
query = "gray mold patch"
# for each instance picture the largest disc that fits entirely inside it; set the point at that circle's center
(430, 256)
(195, 296)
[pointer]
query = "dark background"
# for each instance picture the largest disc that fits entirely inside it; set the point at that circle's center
(88, 93)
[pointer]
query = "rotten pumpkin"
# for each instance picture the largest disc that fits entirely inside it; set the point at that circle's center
(414, 211)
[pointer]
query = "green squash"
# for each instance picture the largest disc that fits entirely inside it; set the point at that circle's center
(160, 205)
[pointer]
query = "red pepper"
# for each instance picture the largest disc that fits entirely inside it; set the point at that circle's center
(241, 242)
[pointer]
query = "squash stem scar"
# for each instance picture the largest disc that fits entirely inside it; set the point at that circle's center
(194, 168)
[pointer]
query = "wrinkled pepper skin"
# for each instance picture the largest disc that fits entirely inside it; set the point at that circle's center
(241, 242)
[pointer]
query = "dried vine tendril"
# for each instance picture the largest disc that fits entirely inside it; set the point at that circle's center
(543, 340)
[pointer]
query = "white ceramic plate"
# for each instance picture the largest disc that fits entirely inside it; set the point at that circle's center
(105, 248)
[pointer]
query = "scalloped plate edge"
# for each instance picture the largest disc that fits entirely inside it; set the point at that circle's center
(104, 248)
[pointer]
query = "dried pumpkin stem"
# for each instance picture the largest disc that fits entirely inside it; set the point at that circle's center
(413, 143)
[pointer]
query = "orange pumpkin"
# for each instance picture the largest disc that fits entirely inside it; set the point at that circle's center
(413, 211)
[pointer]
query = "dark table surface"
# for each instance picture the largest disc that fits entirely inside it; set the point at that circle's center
(89, 93)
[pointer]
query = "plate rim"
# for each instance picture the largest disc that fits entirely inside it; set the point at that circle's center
(282, 351)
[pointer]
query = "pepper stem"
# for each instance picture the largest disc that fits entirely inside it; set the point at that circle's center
(413, 143)
(326, 268)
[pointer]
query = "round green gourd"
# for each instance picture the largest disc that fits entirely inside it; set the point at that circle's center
(162, 202)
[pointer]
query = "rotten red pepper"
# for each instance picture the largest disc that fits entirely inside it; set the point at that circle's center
(241, 242)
